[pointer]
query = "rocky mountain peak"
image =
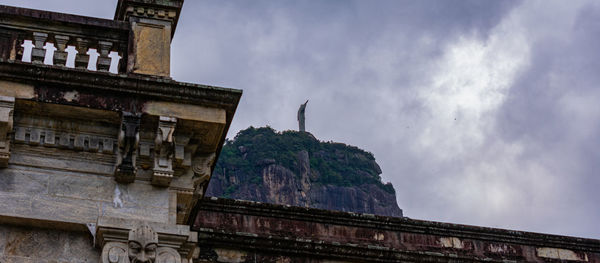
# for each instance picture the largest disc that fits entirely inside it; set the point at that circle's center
(295, 168)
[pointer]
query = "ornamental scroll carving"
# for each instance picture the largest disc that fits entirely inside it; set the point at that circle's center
(142, 247)
(201, 166)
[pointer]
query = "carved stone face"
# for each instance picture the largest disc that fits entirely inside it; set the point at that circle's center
(143, 242)
(142, 253)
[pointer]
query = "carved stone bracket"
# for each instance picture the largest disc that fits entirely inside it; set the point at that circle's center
(7, 105)
(198, 134)
(197, 177)
(183, 151)
(128, 141)
(164, 146)
(142, 246)
(202, 170)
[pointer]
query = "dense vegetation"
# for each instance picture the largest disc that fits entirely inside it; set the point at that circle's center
(331, 163)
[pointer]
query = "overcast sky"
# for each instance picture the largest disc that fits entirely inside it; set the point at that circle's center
(479, 112)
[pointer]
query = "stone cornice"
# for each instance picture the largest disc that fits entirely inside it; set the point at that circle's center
(305, 248)
(405, 225)
(129, 85)
(168, 10)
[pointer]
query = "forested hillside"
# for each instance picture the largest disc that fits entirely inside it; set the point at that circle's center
(295, 168)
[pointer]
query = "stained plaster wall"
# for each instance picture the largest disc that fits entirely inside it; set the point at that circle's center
(29, 245)
(53, 195)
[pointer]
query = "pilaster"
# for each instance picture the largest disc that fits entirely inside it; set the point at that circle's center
(153, 24)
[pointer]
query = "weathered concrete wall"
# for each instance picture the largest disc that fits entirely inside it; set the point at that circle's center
(240, 231)
(51, 195)
(32, 245)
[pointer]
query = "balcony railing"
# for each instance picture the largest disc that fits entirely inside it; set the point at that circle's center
(63, 40)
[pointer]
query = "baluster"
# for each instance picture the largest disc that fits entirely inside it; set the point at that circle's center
(82, 59)
(38, 52)
(114, 66)
(50, 48)
(21, 47)
(15, 47)
(9, 44)
(60, 55)
(94, 55)
(5, 44)
(104, 60)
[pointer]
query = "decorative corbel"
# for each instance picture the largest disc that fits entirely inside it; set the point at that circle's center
(183, 151)
(128, 141)
(201, 166)
(7, 105)
(164, 150)
(142, 246)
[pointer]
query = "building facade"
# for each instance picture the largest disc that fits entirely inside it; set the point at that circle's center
(103, 156)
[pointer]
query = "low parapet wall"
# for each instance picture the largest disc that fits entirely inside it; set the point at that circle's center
(243, 231)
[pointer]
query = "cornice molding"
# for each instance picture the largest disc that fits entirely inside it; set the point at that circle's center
(128, 85)
(405, 225)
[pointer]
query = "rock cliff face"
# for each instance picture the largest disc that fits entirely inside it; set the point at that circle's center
(295, 168)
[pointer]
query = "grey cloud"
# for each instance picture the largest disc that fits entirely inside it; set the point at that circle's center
(553, 109)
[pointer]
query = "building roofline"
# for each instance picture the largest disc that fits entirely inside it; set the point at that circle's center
(398, 224)
(62, 17)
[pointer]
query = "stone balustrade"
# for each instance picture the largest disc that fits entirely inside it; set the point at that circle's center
(84, 53)
(62, 40)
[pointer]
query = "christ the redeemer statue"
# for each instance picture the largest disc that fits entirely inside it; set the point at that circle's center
(301, 117)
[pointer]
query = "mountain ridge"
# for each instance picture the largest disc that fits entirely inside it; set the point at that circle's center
(295, 168)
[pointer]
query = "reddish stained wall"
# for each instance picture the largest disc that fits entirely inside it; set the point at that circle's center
(304, 227)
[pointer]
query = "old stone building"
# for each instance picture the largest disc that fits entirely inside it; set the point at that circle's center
(103, 154)
(105, 158)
